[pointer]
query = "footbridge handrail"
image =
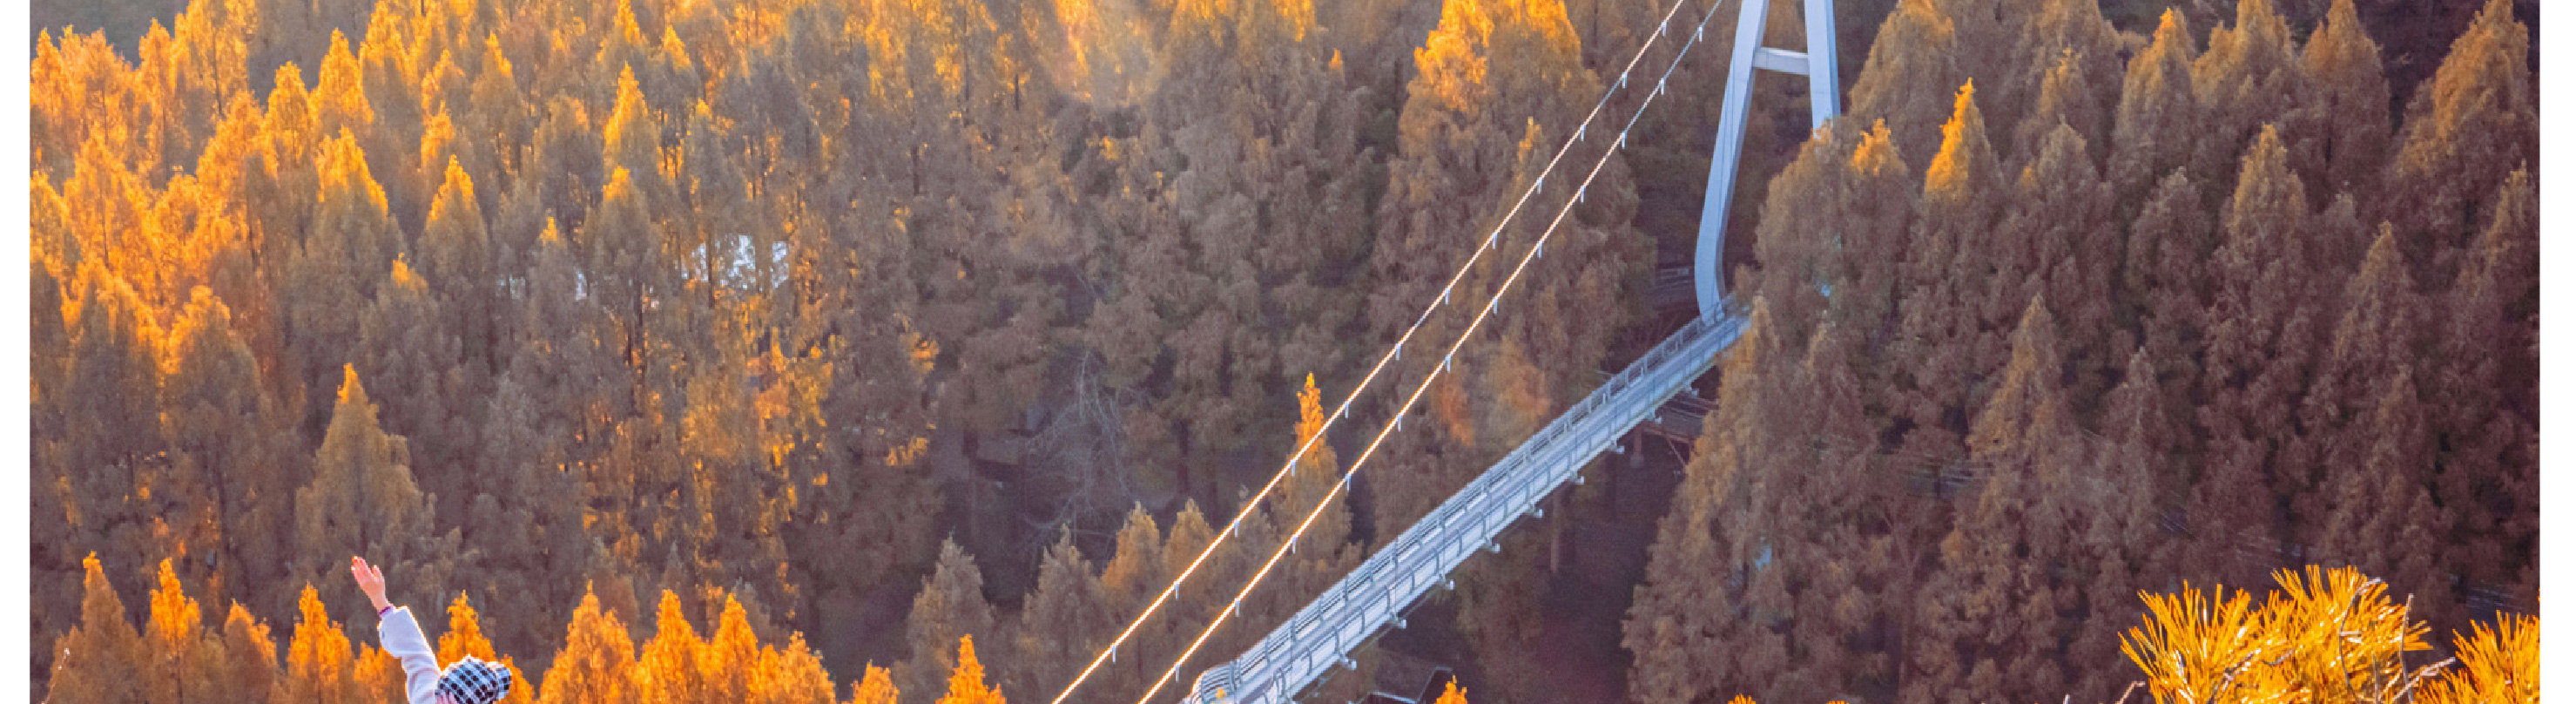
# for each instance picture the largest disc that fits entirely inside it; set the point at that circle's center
(1376, 593)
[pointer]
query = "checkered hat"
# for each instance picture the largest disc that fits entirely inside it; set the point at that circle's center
(474, 681)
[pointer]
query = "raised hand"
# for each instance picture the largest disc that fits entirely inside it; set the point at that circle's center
(371, 580)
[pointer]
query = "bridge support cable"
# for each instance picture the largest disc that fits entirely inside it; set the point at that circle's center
(1394, 352)
(1491, 305)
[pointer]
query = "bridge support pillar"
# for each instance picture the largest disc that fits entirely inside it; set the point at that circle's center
(1824, 90)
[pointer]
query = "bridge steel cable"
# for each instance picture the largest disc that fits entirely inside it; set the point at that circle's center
(1388, 430)
(1394, 351)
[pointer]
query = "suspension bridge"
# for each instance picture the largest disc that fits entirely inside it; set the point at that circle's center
(1375, 596)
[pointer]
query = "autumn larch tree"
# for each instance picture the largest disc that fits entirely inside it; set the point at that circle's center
(2166, 286)
(2069, 58)
(966, 681)
(456, 259)
(2264, 326)
(222, 431)
(112, 429)
(1905, 80)
(2153, 129)
(668, 668)
(2474, 123)
(2382, 330)
(2059, 233)
(1499, 87)
(184, 658)
(464, 637)
(2486, 360)
(2118, 499)
(350, 243)
(873, 687)
(1691, 598)
(103, 659)
(2382, 517)
(2243, 82)
(320, 665)
(415, 359)
(951, 605)
(596, 661)
(1799, 241)
(250, 672)
(1129, 581)
(1991, 618)
(362, 501)
(2341, 126)
(1950, 273)
(1062, 622)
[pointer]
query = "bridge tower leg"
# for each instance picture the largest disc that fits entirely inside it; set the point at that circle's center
(1823, 103)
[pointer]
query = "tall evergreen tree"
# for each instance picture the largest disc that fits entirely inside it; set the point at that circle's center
(951, 605)
(2118, 500)
(2068, 57)
(113, 431)
(103, 659)
(464, 637)
(456, 259)
(966, 681)
(1990, 622)
(1708, 547)
(873, 687)
(2060, 232)
(1129, 581)
(736, 668)
(2341, 124)
(1062, 622)
(1877, 202)
(1498, 86)
(2244, 82)
(1910, 65)
(183, 656)
(249, 671)
(362, 501)
(2063, 98)
(2165, 279)
(321, 666)
(2382, 518)
(2486, 363)
(673, 666)
(2264, 324)
(2155, 126)
(405, 344)
(1797, 240)
(352, 239)
(2465, 130)
(596, 662)
(1832, 547)
(1950, 272)
(221, 429)
(2382, 330)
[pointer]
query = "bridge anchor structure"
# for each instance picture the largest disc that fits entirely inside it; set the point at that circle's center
(1374, 596)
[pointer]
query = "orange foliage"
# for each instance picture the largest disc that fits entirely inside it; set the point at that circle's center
(966, 683)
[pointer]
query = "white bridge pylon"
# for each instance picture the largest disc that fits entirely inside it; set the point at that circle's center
(1824, 91)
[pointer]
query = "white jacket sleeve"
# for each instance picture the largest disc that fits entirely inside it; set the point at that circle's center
(403, 640)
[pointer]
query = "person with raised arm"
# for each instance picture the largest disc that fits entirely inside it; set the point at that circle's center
(467, 681)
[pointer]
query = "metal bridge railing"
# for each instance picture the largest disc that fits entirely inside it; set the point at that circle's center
(1375, 594)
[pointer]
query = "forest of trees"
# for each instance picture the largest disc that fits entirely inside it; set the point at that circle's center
(852, 330)
(2150, 310)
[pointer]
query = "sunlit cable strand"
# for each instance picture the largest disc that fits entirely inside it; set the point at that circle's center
(1394, 351)
(1388, 429)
